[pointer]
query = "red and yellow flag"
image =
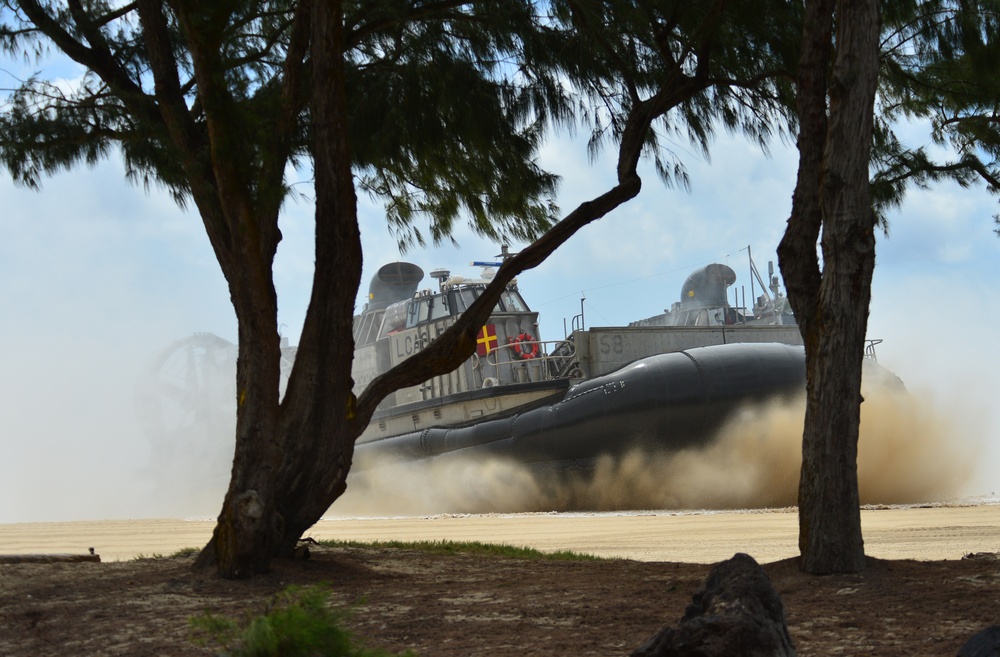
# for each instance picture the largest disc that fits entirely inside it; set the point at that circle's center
(486, 340)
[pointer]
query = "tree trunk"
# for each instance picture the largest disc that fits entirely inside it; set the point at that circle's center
(832, 193)
(249, 524)
(292, 459)
(319, 416)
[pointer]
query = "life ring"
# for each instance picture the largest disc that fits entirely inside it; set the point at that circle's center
(525, 346)
(490, 382)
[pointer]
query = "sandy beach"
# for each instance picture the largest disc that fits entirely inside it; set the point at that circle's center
(925, 533)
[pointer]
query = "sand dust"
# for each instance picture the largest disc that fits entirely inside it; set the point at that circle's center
(911, 451)
(926, 533)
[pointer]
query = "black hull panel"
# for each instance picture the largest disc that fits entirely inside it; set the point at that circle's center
(661, 403)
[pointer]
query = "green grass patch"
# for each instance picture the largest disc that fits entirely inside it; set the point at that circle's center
(183, 553)
(300, 623)
(467, 547)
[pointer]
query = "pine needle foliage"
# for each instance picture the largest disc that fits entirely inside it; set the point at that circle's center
(941, 66)
(450, 102)
(438, 128)
(720, 64)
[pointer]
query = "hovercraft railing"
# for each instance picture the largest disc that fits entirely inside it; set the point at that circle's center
(547, 360)
(530, 361)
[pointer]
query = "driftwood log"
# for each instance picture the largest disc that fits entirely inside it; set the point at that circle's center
(48, 558)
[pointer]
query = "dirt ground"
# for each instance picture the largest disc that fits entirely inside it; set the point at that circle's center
(460, 604)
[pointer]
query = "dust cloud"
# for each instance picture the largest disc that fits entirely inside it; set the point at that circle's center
(910, 451)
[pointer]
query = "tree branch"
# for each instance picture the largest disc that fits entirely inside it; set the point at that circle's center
(797, 249)
(278, 148)
(354, 37)
(457, 343)
(230, 161)
(181, 128)
(101, 62)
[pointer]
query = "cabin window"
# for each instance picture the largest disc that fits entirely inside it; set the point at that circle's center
(426, 309)
(366, 330)
(512, 302)
(439, 306)
(465, 297)
(417, 312)
(462, 299)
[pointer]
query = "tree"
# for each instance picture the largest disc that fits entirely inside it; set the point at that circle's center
(937, 60)
(832, 200)
(216, 100)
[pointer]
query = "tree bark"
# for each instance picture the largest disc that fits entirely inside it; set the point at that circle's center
(244, 234)
(832, 195)
(249, 525)
(319, 418)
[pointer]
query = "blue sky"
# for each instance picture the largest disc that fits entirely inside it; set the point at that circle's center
(97, 276)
